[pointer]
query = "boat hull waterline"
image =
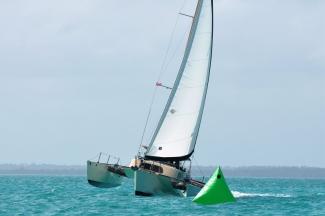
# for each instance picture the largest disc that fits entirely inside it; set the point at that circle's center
(147, 183)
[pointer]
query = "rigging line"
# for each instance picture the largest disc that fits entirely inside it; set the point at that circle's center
(175, 51)
(186, 15)
(159, 76)
(168, 63)
(147, 119)
(164, 66)
(198, 167)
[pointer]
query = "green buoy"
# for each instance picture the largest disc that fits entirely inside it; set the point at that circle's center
(215, 191)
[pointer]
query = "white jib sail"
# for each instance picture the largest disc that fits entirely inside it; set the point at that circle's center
(177, 130)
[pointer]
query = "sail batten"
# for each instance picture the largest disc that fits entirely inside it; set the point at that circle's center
(177, 130)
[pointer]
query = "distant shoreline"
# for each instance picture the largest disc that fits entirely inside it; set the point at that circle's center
(236, 172)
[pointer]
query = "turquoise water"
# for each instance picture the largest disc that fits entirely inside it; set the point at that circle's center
(71, 195)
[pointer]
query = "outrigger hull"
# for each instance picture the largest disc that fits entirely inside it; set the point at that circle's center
(102, 175)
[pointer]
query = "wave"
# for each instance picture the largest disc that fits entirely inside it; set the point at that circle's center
(238, 194)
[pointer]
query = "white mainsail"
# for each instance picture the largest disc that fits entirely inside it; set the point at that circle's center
(177, 131)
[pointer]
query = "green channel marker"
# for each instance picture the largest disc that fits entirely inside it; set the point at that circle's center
(215, 191)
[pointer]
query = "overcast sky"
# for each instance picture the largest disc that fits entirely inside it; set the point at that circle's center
(76, 78)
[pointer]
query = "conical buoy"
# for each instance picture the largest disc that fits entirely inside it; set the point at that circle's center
(215, 191)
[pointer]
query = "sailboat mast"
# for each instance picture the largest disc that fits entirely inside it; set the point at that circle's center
(175, 136)
(181, 70)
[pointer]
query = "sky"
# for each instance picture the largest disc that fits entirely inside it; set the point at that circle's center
(77, 77)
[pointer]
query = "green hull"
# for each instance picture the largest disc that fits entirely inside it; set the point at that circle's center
(215, 191)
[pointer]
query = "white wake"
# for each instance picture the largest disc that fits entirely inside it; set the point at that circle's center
(238, 194)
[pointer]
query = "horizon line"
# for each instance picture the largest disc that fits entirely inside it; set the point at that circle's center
(225, 166)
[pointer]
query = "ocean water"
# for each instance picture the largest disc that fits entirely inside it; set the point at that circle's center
(71, 195)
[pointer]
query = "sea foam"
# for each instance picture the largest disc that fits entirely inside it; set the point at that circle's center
(238, 194)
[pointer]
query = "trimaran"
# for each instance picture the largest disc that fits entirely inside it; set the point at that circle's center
(175, 136)
(160, 169)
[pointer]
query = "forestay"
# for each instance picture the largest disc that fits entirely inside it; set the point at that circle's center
(177, 131)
